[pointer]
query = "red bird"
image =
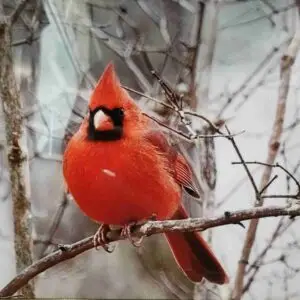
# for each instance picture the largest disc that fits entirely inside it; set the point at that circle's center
(120, 169)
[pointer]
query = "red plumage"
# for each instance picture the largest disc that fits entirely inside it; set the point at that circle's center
(120, 168)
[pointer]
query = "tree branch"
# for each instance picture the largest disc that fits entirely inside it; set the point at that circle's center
(66, 252)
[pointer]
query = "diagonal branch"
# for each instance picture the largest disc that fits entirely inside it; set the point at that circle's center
(66, 252)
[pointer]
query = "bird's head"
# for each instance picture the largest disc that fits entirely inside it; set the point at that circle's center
(110, 108)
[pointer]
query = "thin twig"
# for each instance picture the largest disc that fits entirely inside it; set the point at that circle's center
(268, 184)
(17, 12)
(296, 196)
(257, 194)
(190, 138)
(176, 102)
(277, 165)
(211, 124)
(146, 96)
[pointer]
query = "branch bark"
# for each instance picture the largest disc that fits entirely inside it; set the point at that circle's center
(13, 124)
(287, 61)
(152, 227)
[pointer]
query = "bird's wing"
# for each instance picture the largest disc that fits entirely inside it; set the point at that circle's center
(178, 165)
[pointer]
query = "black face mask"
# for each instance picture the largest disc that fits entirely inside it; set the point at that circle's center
(117, 117)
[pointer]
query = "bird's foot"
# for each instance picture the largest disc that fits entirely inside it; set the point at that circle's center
(126, 233)
(100, 239)
(128, 228)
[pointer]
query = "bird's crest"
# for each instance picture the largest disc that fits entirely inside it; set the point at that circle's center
(108, 91)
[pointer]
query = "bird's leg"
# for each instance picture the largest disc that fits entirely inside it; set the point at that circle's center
(101, 240)
(127, 229)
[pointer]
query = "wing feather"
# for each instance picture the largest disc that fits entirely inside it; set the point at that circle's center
(179, 167)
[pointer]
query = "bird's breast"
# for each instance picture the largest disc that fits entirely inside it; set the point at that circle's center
(119, 182)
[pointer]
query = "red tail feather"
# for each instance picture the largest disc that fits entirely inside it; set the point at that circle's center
(194, 256)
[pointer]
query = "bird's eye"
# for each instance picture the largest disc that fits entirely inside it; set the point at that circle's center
(119, 111)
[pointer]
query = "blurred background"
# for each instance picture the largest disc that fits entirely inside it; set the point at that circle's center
(224, 58)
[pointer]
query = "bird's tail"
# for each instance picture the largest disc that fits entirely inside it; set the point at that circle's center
(194, 256)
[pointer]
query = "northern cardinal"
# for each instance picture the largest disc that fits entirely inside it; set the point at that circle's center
(120, 168)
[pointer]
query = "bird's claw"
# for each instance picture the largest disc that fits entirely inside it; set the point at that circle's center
(101, 240)
(127, 229)
(126, 233)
